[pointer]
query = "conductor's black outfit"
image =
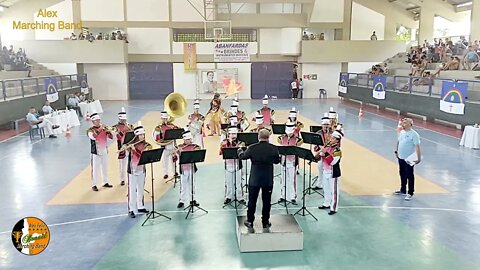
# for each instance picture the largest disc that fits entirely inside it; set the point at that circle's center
(262, 155)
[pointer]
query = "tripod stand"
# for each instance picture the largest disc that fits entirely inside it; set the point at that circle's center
(173, 134)
(231, 154)
(190, 158)
(312, 139)
(248, 138)
(285, 151)
(304, 154)
(150, 157)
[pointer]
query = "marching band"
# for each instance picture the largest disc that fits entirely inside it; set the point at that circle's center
(327, 156)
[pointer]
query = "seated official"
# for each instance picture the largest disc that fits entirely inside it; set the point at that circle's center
(47, 109)
(73, 102)
(36, 121)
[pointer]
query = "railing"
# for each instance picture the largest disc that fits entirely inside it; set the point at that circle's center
(17, 88)
(414, 85)
(201, 38)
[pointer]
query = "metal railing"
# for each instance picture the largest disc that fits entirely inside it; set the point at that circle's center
(180, 37)
(415, 85)
(18, 88)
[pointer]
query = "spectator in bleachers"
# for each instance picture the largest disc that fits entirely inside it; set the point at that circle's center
(113, 36)
(35, 120)
(312, 37)
(100, 36)
(373, 36)
(322, 36)
(305, 36)
(453, 64)
(471, 59)
(47, 109)
(73, 36)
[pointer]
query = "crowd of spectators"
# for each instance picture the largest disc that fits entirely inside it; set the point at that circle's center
(379, 69)
(313, 36)
(100, 36)
(14, 61)
(461, 55)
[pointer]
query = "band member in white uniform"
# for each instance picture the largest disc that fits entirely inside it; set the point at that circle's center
(267, 113)
(331, 156)
(99, 135)
(195, 125)
(122, 128)
(233, 168)
(326, 133)
(289, 164)
(136, 173)
(186, 171)
(159, 137)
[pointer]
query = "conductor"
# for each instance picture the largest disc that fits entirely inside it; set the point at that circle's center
(262, 155)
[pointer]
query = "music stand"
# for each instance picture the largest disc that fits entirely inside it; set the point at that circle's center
(232, 153)
(192, 157)
(304, 154)
(285, 151)
(278, 129)
(224, 126)
(248, 138)
(150, 157)
(315, 129)
(173, 135)
(312, 139)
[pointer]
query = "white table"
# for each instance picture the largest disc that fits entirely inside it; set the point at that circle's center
(63, 119)
(92, 107)
(471, 137)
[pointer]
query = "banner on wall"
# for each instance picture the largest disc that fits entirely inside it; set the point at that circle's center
(51, 89)
(190, 56)
(231, 52)
(310, 77)
(379, 86)
(342, 85)
(83, 83)
(453, 97)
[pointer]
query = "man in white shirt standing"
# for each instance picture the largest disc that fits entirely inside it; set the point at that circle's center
(408, 144)
(294, 88)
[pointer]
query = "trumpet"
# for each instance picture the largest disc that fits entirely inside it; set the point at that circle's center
(128, 146)
(109, 128)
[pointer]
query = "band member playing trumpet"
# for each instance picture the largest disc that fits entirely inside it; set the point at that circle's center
(186, 170)
(122, 127)
(330, 156)
(267, 113)
(159, 137)
(292, 117)
(99, 134)
(136, 173)
(326, 133)
(289, 164)
(195, 125)
(233, 168)
(241, 119)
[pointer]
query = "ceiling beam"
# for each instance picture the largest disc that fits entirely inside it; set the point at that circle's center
(266, 1)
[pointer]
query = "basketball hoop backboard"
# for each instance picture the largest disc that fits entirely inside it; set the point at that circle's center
(218, 30)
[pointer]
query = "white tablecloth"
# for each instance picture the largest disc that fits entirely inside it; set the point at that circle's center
(92, 107)
(471, 137)
(64, 119)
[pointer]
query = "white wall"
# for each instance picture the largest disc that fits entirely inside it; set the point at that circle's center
(62, 68)
(64, 13)
(148, 40)
(360, 67)
(291, 38)
(327, 78)
(185, 83)
(148, 10)
(182, 11)
(276, 8)
(270, 41)
(327, 11)
(109, 81)
(365, 21)
(102, 10)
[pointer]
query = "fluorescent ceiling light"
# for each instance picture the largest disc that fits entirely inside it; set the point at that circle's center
(464, 4)
(1, 9)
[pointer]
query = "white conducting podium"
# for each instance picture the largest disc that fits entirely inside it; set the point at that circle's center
(285, 234)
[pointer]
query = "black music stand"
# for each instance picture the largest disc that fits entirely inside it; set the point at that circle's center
(173, 135)
(312, 139)
(150, 157)
(248, 138)
(278, 129)
(315, 129)
(224, 126)
(304, 154)
(285, 151)
(232, 153)
(192, 157)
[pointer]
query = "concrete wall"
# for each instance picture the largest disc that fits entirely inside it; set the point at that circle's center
(327, 11)
(109, 81)
(365, 21)
(327, 78)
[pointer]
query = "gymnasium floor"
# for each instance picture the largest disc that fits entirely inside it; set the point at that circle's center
(49, 179)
